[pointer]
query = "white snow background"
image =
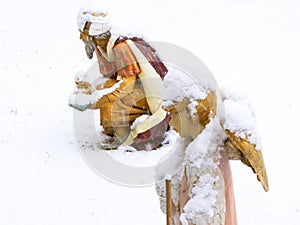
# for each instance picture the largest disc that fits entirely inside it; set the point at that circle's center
(250, 44)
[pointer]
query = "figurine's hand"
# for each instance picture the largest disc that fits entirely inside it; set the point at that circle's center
(83, 87)
(80, 107)
(80, 101)
(83, 83)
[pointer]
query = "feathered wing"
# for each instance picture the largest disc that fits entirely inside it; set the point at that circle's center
(241, 149)
(243, 137)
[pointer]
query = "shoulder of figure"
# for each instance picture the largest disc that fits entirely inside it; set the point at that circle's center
(136, 40)
(121, 39)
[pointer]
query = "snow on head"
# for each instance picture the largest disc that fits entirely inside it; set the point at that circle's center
(234, 93)
(178, 86)
(94, 7)
(239, 116)
(119, 23)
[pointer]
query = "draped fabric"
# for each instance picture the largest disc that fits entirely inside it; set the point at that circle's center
(124, 58)
(121, 107)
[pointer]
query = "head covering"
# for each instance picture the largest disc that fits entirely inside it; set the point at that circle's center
(99, 20)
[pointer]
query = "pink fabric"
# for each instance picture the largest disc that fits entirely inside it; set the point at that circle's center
(230, 216)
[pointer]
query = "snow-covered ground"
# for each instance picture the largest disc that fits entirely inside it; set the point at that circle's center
(253, 45)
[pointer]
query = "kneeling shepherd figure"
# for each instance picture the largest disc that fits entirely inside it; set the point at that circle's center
(130, 98)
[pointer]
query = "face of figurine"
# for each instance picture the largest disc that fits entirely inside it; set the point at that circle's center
(91, 42)
(101, 40)
(90, 46)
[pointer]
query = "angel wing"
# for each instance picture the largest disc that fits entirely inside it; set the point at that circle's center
(243, 142)
(241, 149)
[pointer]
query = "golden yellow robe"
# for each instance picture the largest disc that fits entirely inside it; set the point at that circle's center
(121, 107)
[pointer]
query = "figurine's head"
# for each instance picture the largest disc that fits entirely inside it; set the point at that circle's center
(94, 27)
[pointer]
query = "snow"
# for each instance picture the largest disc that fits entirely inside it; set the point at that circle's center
(170, 164)
(129, 156)
(192, 107)
(201, 153)
(240, 118)
(203, 199)
(201, 159)
(253, 45)
(81, 99)
(179, 86)
(82, 76)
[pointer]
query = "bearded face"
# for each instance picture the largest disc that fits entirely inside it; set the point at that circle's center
(90, 46)
(91, 42)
